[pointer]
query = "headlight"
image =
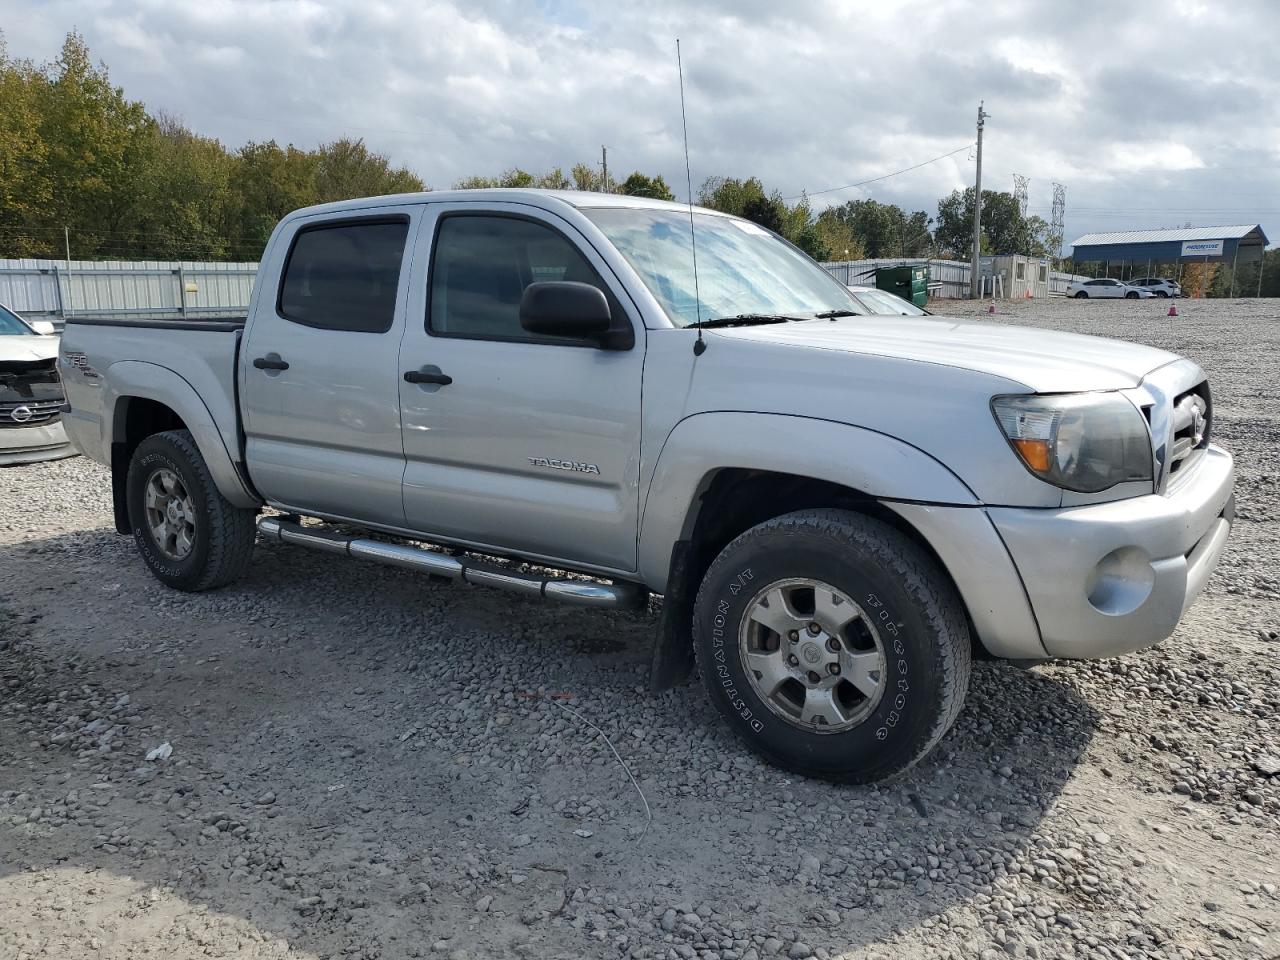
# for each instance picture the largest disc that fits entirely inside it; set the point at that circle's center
(1081, 441)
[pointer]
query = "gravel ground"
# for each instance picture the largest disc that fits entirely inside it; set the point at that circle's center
(366, 765)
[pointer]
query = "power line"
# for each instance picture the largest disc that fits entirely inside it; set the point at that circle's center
(886, 176)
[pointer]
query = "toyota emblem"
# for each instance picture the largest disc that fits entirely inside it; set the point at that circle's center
(22, 414)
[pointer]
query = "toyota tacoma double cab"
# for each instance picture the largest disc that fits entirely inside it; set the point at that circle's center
(543, 392)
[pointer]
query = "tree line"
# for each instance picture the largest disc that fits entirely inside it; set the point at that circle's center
(76, 155)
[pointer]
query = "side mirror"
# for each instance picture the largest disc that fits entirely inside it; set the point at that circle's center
(43, 327)
(565, 308)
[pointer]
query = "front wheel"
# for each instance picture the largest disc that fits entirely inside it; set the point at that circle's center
(190, 537)
(1162, 295)
(1131, 295)
(1081, 295)
(832, 644)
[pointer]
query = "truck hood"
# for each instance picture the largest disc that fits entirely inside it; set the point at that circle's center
(1045, 361)
(22, 347)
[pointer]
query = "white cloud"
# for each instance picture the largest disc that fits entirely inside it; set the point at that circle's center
(1133, 112)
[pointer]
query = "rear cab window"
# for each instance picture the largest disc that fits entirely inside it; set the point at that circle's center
(343, 275)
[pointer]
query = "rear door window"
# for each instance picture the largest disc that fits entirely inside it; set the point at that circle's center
(344, 276)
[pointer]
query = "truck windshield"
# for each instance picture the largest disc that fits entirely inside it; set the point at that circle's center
(11, 326)
(742, 268)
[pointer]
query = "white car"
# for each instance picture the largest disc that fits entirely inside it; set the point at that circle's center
(883, 303)
(30, 392)
(1159, 286)
(1106, 287)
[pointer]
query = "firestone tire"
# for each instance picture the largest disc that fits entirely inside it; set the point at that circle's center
(219, 544)
(907, 602)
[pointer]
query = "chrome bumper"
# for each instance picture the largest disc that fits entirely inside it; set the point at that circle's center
(1111, 578)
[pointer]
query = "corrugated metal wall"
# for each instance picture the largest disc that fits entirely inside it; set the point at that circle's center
(50, 289)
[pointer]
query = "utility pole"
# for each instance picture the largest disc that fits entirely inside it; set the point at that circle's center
(604, 165)
(975, 278)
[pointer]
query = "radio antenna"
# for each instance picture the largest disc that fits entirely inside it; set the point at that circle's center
(700, 345)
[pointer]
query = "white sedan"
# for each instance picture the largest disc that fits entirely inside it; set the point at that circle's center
(30, 392)
(1106, 287)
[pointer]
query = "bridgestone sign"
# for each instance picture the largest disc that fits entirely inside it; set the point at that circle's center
(1202, 248)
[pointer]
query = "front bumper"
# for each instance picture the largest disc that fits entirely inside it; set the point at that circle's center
(1110, 578)
(34, 444)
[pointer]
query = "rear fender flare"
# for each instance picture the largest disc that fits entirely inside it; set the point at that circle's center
(130, 379)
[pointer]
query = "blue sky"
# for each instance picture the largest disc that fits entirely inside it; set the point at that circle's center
(1151, 114)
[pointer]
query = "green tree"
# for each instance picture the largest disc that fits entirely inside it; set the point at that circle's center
(883, 229)
(185, 204)
(267, 181)
(837, 237)
(25, 188)
(347, 168)
(640, 185)
(95, 143)
(1004, 229)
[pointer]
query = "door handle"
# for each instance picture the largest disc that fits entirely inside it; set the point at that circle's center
(425, 376)
(271, 361)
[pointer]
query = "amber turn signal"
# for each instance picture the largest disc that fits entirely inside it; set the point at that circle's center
(1036, 453)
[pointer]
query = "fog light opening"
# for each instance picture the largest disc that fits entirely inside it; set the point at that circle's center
(1121, 582)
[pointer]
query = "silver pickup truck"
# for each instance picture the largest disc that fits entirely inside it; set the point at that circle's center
(535, 391)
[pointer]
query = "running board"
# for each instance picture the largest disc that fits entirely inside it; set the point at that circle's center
(584, 593)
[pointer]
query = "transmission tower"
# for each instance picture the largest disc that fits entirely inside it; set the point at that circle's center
(1056, 219)
(1020, 193)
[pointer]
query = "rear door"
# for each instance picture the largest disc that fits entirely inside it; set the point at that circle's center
(533, 446)
(319, 369)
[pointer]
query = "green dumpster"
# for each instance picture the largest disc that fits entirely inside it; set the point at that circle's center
(910, 283)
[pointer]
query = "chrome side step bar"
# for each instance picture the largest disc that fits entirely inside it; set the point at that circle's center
(585, 593)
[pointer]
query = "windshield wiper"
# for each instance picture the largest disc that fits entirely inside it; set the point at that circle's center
(744, 320)
(836, 314)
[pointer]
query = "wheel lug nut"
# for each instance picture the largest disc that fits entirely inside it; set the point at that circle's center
(833, 645)
(794, 636)
(793, 660)
(813, 677)
(833, 668)
(815, 629)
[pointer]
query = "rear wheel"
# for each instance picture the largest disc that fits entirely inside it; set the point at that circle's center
(1081, 295)
(188, 534)
(832, 644)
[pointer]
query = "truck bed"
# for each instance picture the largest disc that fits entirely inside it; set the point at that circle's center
(119, 351)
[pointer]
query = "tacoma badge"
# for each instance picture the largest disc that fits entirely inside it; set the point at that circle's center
(571, 465)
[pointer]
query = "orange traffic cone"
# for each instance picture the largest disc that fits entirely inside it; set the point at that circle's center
(1028, 294)
(991, 309)
(1173, 311)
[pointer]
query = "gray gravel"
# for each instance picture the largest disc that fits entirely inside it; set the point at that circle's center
(366, 765)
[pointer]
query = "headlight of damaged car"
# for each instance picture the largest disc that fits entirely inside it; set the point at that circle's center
(1086, 442)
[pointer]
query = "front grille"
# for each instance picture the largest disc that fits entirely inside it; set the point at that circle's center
(30, 393)
(29, 413)
(1192, 419)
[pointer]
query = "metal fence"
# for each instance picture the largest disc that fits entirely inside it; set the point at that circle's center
(57, 289)
(948, 279)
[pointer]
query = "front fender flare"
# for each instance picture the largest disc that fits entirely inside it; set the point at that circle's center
(128, 379)
(875, 464)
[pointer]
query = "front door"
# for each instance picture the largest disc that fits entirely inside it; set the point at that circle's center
(532, 446)
(319, 370)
